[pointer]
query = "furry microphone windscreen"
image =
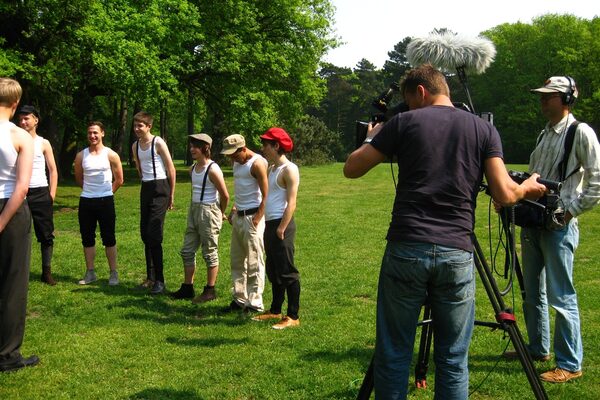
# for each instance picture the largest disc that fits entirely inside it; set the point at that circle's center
(449, 51)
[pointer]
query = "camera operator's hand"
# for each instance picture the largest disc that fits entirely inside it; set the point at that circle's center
(373, 130)
(533, 189)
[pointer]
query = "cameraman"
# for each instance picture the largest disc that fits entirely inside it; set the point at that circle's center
(442, 155)
(548, 255)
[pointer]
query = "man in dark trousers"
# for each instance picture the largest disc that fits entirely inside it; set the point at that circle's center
(16, 160)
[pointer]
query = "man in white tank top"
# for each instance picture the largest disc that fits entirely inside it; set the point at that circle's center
(16, 160)
(155, 167)
(248, 225)
(99, 172)
(42, 189)
(280, 229)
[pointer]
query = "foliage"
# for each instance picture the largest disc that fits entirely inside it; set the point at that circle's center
(241, 65)
(314, 143)
(527, 54)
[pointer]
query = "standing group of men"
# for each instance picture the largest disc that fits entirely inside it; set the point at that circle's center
(28, 171)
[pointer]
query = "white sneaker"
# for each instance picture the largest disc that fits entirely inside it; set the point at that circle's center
(90, 276)
(113, 280)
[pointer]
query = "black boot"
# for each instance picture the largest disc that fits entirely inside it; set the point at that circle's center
(47, 276)
(186, 291)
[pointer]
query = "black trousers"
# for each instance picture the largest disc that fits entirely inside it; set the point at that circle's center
(15, 253)
(280, 268)
(154, 202)
(40, 205)
(97, 211)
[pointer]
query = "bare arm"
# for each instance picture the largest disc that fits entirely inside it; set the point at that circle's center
(117, 170)
(24, 146)
(291, 179)
(52, 170)
(135, 159)
(163, 152)
(259, 172)
(78, 169)
(363, 159)
(216, 177)
(504, 190)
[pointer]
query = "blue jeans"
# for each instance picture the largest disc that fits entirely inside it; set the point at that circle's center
(548, 279)
(411, 274)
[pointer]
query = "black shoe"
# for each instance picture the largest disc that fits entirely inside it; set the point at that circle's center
(22, 363)
(186, 291)
(233, 306)
(251, 311)
(158, 288)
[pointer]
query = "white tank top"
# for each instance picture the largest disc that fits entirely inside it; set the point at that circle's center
(247, 192)
(38, 173)
(8, 161)
(211, 195)
(148, 165)
(97, 175)
(277, 197)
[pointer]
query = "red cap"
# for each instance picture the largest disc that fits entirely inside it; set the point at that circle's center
(280, 136)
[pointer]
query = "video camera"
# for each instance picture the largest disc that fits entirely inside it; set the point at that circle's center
(546, 213)
(381, 105)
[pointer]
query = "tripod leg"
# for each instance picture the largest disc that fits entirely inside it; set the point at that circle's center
(507, 321)
(367, 385)
(422, 364)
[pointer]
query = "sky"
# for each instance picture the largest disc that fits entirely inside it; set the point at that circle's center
(371, 28)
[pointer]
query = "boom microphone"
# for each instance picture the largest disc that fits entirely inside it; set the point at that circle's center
(448, 52)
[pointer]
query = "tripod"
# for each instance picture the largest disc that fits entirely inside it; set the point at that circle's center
(505, 320)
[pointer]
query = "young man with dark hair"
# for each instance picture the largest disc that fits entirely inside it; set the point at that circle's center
(155, 168)
(443, 154)
(95, 167)
(42, 189)
(16, 160)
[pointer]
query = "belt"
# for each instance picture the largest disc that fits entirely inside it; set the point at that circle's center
(250, 211)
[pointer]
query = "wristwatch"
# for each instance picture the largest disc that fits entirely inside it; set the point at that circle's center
(367, 140)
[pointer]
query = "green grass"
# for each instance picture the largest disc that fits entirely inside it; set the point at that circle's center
(101, 342)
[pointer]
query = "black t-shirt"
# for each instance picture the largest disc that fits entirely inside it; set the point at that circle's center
(441, 153)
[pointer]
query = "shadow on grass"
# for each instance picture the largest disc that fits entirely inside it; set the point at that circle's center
(161, 394)
(207, 342)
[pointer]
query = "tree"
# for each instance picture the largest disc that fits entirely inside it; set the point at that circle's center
(527, 54)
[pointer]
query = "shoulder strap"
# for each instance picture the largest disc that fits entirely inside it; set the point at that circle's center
(204, 180)
(569, 139)
(152, 156)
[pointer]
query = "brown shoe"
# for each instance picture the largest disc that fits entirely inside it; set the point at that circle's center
(559, 375)
(266, 316)
(513, 355)
(208, 294)
(47, 276)
(286, 322)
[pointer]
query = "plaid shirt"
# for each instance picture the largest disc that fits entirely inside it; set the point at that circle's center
(580, 191)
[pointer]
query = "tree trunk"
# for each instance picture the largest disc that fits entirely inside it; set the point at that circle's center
(190, 124)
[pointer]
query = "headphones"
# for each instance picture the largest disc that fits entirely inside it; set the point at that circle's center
(569, 98)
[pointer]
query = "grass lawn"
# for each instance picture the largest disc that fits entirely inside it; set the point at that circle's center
(101, 342)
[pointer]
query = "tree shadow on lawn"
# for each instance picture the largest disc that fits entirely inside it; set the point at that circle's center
(161, 394)
(206, 342)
